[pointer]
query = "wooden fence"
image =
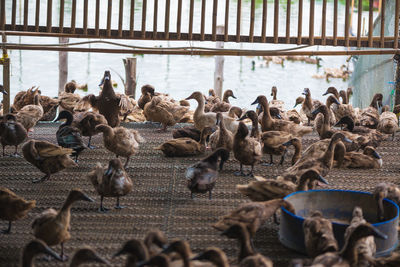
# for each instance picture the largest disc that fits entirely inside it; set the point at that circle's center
(382, 43)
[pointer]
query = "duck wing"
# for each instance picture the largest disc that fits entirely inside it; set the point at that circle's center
(70, 137)
(44, 217)
(47, 150)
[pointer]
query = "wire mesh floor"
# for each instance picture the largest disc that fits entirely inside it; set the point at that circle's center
(159, 199)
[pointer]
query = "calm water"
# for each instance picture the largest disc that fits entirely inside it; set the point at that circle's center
(177, 75)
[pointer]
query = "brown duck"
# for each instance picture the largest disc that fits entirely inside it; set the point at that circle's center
(34, 248)
(136, 251)
(12, 133)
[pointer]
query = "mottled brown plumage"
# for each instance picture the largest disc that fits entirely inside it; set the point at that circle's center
(86, 122)
(86, 255)
(224, 105)
(385, 190)
(370, 115)
(12, 133)
(33, 248)
(221, 137)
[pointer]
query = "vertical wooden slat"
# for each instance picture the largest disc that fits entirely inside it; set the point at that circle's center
(144, 11)
(300, 22)
(383, 7)
(288, 7)
(359, 23)
(311, 24)
(155, 19)
(85, 16)
(203, 19)
(396, 25)
(73, 16)
(276, 21)
(97, 18)
(109, 16)
(3, 14)
(121, 17)
(370, 22)
(346, 23)
(167, 12)
(335, 21)
(238, 19)
(37, 15)
(264, 22)
(323, 26)
(26, 10)
(191, 8)
(132, 19)
(178, 20)
(49, 14)
(214, 20)
(13, 14)
(252, 14)
(61, 23)
(226, 20)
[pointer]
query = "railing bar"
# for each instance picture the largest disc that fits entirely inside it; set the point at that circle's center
(167, 13)
(276, 20)
(359, 23)
(132, 19)
(13, 14)
(226, 20)
(335, 21)
(73, 16)
(109, 17)
(26, 9)
(346, 23)
(238, 19)
(121, 17)
(311, 26)
(203, 19)
(179, 19)
(61, 23)
(214, 20)
(383, 7)
(300, 22)
(3, 14)
(370, 22)
(191, 8)
(155, 19)
(85, 15)
(144, 10)
(252, 14)
(37, 15)
(288, 7)
(97, 18)
(264, 22)
(396, 25)
(49, 14)
(323, 26)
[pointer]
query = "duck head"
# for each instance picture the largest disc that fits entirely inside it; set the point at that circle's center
(385, 108)
(196, 95)
(235, 112)
(348, 121)
(114, 166)
(160, 260)
(306, 92)
(135, 248)
(181, 247)
(211, 92)
(299, 101)
(251, 114)
(219, 118)
(156, 237)
(288, 206)
(340, 137)
(313, 175)
(260, 100)
(323, 109)
(2, 90)
(106, 77)
(147, 88)
(213, 254)
(87, 255)
(229, 93)
(332, 99)
(274, 91)
(370, 151)
(331, 90)
(36, 247)
(65, 114)
(10, 117)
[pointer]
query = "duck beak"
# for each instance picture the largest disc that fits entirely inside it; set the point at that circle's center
(4, 92)
(376, 155)
(347, 140)
(288, 143)
(295, 105)
(315, 111)
(304, 92)
(87, 198)
(278, 116)
(166, 249)
(109, 170)
(336, 101)
(189, 97)
(243, 117)
(198, 257)
(322, 179)
(255, 102)
(325, 93)
(379, 234)
(218, 121)
(119, 253)
(233, 96)
(101, 82)
(52, 253)
(99, 259)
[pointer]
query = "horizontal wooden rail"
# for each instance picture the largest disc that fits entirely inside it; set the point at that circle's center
(255, 33)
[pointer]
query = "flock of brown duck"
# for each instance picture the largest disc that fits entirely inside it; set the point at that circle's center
(221, 128)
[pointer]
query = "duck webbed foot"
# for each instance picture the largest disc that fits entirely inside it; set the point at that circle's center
(15, 155)
(44, 178)
(239, 172)
(118, 206)
(250, 174)
(210, 195)
(8, 230)
(270, 163)
(102, 208)
(89, 145)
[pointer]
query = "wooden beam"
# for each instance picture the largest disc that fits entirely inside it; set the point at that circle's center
(323, 26)
(179, 19)
(61, 23)
(346, 22)
(155, 16)
(300, 22)
(144, 11)
(73, 16)
(97, 17)
(264, 21)
(191, 10)
(26, 13)
(132, 19)
(226, 20)
(214, 20)
(383, 7)
(2, 14)
(85, 15)
(335, 21)
(13, 14)
(49, 14)
(37, 15)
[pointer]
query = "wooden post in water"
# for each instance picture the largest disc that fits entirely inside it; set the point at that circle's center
(62, 66)
(219, 66)
(130, 76)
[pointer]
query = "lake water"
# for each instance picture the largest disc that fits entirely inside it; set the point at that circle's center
(179, 75)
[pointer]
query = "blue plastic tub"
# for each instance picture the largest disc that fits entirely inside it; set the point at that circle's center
(338, 206)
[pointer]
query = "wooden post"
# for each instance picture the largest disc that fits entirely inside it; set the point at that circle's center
(219, 66)
(397, 80)
(130, 76)
(62, 66)
(6, 77)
